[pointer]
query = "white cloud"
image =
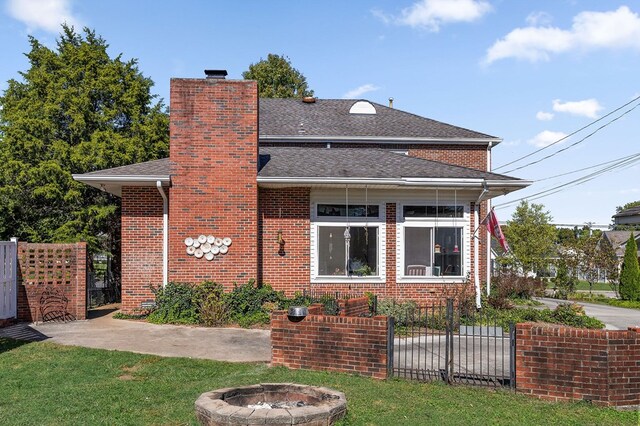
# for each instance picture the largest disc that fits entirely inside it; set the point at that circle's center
(432, 14)
(587, 108)
(619, 29)
(539, 18)
(544, 116)
(359, 91)
(47, 15)
(546, 138)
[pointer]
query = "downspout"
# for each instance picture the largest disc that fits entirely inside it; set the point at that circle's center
(476, 260)
(165, 234)
(487, 233)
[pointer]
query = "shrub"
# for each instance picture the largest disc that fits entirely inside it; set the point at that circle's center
(564, 282)
(512, 286)
(177, 303)
(246, 303)
(402, 311)
(211, 304)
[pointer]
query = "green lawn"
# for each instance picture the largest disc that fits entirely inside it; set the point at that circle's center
(48, 384)
(583, 285)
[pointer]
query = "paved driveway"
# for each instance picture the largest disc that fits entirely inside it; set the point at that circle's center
(614, 318)
(222, 344)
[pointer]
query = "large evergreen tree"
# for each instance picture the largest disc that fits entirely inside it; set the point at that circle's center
(630, 275)
(74, 110)
(277, 78)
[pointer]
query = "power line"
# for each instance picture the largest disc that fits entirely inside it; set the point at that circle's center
(587, 168)
(575, 143)
(622, 164)
(568, 136)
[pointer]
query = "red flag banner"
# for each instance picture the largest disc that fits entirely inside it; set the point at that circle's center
(493, 226)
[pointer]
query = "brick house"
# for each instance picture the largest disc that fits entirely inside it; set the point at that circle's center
(312, 193)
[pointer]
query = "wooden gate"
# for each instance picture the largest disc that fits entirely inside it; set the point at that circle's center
(8, 279)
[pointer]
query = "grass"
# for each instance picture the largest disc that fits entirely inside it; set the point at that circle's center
(602, 300)
(583, 285)
(48, 384)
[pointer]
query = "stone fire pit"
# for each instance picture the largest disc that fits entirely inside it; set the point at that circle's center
(271, 403)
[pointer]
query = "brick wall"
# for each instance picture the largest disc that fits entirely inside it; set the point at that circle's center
(51, 266)
(471, 156)
(214, 155)
(331, 343)
(141, 267)
(285, 209)
(564, 364)
(356, 307)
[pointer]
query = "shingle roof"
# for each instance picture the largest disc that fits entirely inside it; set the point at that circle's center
(148, 168)
(632, 211)
(331, 118)
(359, 163)
(326, 163)
(618, 240)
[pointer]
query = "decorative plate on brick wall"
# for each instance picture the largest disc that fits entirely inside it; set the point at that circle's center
(207, 246)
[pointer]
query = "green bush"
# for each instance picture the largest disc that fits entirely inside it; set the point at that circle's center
(404, 312)
(246, 303)
(509, 285)
(211, 304)
(630, 274)
(177, 303)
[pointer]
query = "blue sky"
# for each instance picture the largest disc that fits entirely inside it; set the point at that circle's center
(528, 72)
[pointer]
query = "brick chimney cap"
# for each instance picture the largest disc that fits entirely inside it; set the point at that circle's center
(220, 74)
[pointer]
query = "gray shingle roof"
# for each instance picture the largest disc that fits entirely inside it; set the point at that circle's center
(148, 168)
(358, 163)
(285, 162)
(331, 118)
(631, 211)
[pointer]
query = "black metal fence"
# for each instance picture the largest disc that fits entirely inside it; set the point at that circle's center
(330, 300)
(453, 343)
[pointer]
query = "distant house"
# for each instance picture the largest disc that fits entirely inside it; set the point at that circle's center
(321, 194)
(628, 217)
(618, 240)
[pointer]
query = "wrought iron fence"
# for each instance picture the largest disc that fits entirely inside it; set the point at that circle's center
(330, 300)
(453, 343)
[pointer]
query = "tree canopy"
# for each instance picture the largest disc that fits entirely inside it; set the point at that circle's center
(531, 238)
(75, 110)
(277, 78)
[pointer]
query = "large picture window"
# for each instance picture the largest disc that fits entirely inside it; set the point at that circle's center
(355, 256)
(347, 243)
(431, 241)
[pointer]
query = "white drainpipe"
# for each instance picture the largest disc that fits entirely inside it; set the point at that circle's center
(476, 260)
(487, 233)
(165, 234)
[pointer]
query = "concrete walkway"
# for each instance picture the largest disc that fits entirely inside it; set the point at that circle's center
(104, 332)
(614, 318)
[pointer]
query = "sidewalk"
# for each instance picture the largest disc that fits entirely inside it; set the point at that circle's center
(104, 332)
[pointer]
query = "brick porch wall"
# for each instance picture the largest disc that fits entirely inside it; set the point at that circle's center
(330, 343)
(569, 364)
(141, 246)
(51, 266)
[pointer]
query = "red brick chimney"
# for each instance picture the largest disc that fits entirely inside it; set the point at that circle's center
(214, 192)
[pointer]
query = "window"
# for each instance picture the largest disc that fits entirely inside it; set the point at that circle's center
(360, 257)
(430, 241)
(362, 249)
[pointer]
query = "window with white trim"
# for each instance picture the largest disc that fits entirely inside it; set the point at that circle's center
(431, 241)
(347, 247)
